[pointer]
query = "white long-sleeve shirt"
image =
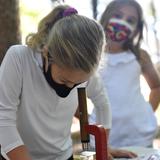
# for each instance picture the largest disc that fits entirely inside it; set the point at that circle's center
(31, 113)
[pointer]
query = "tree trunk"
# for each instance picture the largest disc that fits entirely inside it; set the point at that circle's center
(9, 25)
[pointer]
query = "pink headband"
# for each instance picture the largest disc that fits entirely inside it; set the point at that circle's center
(69, 11)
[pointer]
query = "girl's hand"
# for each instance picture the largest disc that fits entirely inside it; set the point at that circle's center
(120, 153)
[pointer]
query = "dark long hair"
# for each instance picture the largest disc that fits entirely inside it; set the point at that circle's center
(132, 44)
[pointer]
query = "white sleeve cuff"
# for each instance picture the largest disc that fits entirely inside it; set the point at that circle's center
(9, 138)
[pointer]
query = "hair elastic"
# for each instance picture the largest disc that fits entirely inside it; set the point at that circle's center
(69, 11)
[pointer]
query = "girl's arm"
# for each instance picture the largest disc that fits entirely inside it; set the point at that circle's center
(98, 95)
(10, 91)
(19, 153)
(151, 75)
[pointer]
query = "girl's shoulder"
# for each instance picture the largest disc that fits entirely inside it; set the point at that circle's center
(18, 54)
(19, 48)
(144, 59)
(19, 51)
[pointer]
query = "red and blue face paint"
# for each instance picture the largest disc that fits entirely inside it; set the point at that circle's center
(119, 30)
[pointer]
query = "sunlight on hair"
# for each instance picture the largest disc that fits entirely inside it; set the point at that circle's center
(31, 13)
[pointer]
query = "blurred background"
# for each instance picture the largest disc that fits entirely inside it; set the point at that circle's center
(31, 11)
(18, 18)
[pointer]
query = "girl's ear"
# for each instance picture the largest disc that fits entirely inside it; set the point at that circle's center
(45, 56)
(45, 51)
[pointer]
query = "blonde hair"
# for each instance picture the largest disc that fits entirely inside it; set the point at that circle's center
(74, 41)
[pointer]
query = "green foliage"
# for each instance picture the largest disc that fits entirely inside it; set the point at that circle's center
(29, 17)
